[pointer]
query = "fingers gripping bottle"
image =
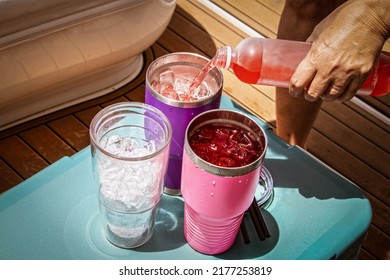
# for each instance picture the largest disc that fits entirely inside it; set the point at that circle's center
(273, 62)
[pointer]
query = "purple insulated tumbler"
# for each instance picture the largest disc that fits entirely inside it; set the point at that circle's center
(167, 81)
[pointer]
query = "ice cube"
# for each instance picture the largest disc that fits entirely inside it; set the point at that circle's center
(156, 85)
(150, 147)
(181, 86)
(167, 77)
(111, 144)
(168, 91)
(129, 185)
(201, 91)
(125, 146)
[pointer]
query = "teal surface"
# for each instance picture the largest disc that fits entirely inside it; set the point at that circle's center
(315, 214)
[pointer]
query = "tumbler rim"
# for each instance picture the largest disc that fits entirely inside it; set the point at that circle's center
(178, 103)
(216, 169)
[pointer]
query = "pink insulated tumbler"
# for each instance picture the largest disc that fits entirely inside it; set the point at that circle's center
(223, 155)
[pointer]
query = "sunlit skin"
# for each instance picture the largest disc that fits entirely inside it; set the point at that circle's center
(345, 45)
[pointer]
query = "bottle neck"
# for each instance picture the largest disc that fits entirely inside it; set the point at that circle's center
(223, 57)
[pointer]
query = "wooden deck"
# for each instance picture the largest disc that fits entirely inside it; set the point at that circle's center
(345, 137)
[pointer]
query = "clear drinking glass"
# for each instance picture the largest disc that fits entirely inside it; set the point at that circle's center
(130, 150)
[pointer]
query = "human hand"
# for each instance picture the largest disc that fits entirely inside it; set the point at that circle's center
(344, 49)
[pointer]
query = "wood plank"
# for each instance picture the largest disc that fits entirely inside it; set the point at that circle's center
(275, 5)
(72, 131)
(362, 112)
(380, 103)
(356, 144)
(254, 14)
(381, 213)
(137, 95)
(194, 35)
(9, 178)
(364, 255)
(250, 97)
(114, 101)
(359, 121)
(339, 159)
(385, 99)
(86, 116)
(386, 47)
(217, 27)
(159, 50)
(174, 43)
(47, 143)
(24, 160)
(377, 244)
(197, 13)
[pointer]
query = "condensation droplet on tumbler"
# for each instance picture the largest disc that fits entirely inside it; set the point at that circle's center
(212, 194)
(214, 183)
(240, 181)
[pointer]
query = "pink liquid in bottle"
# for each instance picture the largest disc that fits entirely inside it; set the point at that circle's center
(225, 146)
(273, 62)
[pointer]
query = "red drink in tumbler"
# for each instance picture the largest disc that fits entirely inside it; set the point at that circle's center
(225, 146)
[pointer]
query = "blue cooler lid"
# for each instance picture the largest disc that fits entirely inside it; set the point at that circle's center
(315, 214)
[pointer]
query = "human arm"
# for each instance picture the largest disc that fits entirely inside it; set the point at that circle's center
(345, 46)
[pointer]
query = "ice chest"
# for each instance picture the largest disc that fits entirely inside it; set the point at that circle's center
(315, 214)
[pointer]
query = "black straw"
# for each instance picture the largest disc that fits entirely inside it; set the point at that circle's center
(244, 231)
(258, 221)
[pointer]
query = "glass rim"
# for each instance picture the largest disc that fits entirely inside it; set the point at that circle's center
(93, 128)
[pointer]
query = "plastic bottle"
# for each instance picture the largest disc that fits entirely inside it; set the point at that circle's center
(273, 62)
